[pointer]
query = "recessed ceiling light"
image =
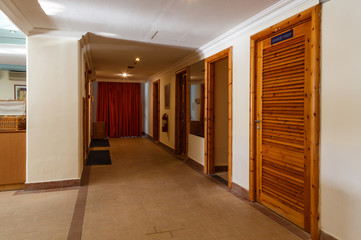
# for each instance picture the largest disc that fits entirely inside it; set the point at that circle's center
(124, 74)
(137, 59)
(12, 31)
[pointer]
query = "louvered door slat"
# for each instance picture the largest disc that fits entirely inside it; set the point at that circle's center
(282, 182)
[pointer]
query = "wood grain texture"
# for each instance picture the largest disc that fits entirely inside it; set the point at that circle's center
(156, 109)
(12, 158)
(285, 118)
(252, 129)
(209, 112)
(315, 118)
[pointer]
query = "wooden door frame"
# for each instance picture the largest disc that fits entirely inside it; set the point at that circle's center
(86, 114)
(177, 111)
(209, 112)
(313, 98)
(157, 82)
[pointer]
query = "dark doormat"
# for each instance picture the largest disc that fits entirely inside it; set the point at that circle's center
(101, 157)
(99, 143)
(225, 182)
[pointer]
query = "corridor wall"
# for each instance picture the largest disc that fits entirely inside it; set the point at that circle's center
(340, 152)
(54, 109)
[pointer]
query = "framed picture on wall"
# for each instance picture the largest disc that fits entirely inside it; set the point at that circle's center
(167, 96)
(19, 92)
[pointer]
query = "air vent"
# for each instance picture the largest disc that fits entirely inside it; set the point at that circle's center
(17, 76)
(130, 67)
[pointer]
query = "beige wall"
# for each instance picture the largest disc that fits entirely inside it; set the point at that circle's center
(166, 138)
(340, 175)
(340, 151)
(54, 104)
(7, 86)
(221, 112)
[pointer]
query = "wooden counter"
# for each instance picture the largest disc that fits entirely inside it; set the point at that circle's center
(12, 159)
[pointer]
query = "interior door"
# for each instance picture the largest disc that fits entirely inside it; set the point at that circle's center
(156, 117)
(283, 173)
(181, 112)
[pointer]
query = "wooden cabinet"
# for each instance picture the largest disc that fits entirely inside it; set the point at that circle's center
(12, 160)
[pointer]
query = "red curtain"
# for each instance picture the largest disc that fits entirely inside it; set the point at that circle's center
(120, 106)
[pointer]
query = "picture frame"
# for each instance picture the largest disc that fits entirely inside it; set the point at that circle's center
(167, 96)
(19, 92)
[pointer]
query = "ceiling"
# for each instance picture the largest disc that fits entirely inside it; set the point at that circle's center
(12, 45)
(159, 31)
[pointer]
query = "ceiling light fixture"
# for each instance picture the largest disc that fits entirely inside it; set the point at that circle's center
(125, 75)
(12, 31)
(51, 8)
(137, 59)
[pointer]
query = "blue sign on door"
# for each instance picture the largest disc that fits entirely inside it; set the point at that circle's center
(282, 37)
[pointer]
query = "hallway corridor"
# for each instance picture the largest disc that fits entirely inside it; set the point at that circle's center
(146, 193)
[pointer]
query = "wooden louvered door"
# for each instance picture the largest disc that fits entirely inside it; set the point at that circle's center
(282, 160)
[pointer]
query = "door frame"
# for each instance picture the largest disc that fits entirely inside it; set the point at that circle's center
(177, 110)
(156, 110)
(209, 165)
(313, 99)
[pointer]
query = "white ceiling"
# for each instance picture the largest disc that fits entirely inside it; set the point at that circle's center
(188, 24)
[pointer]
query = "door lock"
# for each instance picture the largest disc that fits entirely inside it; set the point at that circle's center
(257, 121)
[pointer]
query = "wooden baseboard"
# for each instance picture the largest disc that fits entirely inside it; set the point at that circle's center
(8, 187)
(147, 136)
(325, 236)
(167, 148)
(221, 168)
(239, 191)
(52, 185)
(195, 165)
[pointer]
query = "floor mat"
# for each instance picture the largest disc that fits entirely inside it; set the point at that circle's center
(99, 143)
(101, 157)
(225, 182)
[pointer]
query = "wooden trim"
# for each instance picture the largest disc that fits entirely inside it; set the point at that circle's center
(209, 112)
(315, 72)
(220, 168)
(156, 118)
(284, 25)
(52, 185)
(325, 236)
(312, 15)
(195, 165)
(239, 191)
(8, 187)
(252, 129)
(177, 111)
(167, 148)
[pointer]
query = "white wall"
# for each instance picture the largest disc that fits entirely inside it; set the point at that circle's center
(340, 175)
(7, 86)
(340, 150)
(54, 104)
(166, 138)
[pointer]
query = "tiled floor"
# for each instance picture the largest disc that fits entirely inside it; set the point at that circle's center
(145, 194)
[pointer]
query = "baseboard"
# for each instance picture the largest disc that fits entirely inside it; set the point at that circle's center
(325, 236)
(239, 191)
(221, 168)
(147, 136)
(8, 187)
(52, 185)
(195, 165)
(167, 148)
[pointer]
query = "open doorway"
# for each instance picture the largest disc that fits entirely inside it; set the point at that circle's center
(181, 134)
(218, 137)
(156, 110)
